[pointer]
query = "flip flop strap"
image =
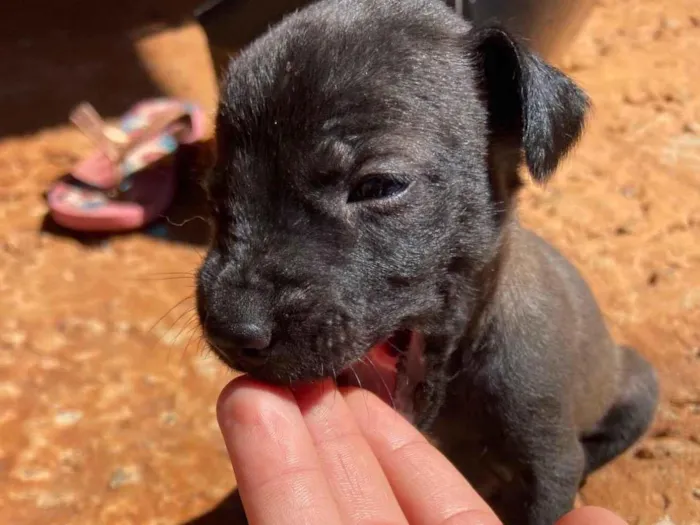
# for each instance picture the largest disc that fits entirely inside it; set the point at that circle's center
(174, 118)
(113, 142)
(108, 140)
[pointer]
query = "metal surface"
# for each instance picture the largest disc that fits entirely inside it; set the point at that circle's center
(546, 25)
(232, 24)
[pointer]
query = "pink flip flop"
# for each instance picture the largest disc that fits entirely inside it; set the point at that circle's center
(130, 180)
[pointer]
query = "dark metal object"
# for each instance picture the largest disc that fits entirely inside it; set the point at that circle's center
(232, 24)
(546, 25)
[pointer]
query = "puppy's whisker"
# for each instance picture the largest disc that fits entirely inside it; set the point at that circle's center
(175, 340)
(455, 376)
(161, 279)
(202, 345)
(394, 347)
(334, 380)
(193, 332)
(359, 382)
(168, 312)
(161, 338)
(189, 311)
(149, 279)
(390, 394)
(203, 349)
(191, 326)
(171, 274)
(198, 253)
(222, 355)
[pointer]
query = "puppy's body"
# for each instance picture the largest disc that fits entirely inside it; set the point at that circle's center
(544, 394)
(364, 190)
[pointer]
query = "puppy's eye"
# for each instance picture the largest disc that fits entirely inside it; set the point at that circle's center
(377, 187)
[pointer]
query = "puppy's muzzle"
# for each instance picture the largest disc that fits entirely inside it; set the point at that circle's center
(239, 327)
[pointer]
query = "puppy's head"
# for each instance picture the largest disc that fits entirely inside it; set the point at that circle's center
(367, 155)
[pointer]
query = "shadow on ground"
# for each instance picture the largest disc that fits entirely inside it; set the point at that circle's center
(227, 512)
(55, 54)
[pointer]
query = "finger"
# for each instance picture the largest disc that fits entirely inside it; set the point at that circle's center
(280, 478)
(356, 479)
(591, 516)
(415, 468)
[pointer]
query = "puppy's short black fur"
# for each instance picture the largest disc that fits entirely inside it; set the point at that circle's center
(368, 156)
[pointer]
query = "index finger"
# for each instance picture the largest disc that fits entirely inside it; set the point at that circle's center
(430, 490)
(280, 478)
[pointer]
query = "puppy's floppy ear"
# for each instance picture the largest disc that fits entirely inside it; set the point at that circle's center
(532, 106)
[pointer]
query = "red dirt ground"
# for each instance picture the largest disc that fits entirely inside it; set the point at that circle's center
(107, 397)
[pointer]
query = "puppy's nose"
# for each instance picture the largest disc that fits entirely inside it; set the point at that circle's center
(247, 340)
(244, 336)
(251, 338)
(238, 323)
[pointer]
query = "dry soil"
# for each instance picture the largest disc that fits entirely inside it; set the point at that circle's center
(106, 393)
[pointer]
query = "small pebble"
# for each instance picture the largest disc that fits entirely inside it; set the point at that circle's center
(9, 390)
(49, 341)
(49, 363)
(71, 459)
(32, 474)
(48, 500)
(623, 230)
(691, 300)
(67, 418)
(95, 327)
(125, 476)
(644, 453)
(13, 339)
(122, 327)
(628, 191)
(168, 418)
(691, 128)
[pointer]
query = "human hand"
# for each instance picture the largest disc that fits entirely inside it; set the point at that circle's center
(328, 456)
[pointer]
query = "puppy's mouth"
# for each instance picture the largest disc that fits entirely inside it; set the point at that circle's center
(391, 369)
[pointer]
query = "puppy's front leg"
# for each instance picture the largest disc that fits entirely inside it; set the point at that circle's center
(545, 486)
(527, 424)
(550, 481)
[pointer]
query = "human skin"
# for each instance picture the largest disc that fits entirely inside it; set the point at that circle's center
(319, 454)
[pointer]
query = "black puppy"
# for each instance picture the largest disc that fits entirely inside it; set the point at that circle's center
(363, 205)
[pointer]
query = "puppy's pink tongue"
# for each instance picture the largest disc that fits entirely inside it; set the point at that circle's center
(376, 372)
